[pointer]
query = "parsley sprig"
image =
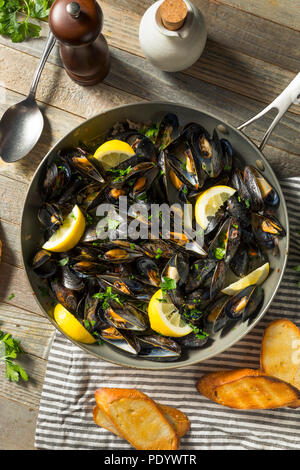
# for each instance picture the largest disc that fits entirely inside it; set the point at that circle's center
(9, 349)
(106, 296)
(18, 27)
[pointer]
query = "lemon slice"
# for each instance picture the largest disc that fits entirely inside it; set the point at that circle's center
(113, 152)
(71, 326)
(164, 317)
(69, 233)
(209, 202)
(258, 276)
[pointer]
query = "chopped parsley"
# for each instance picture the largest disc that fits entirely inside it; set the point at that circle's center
(11, 296)
(106, 296)
(167, 284)
(64, 261)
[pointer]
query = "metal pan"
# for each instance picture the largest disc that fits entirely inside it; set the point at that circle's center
(95, 129)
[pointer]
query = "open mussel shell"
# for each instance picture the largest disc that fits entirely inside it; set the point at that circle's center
(157, 249)
(120, 255)
(227, 154)
(177, 268)
(268, 193)
(149, 270)
(87, 165)
(167, 128)
(209, 152)
(124, 340)
(244, 304)
(143, 182)
(266, 229)
(160, 348)
(226, 241)
(87, 268)
(43, 264)
(126, 316)
(215, 318)
(51, 216)
(90, 196)
(65, 296)
(256, 199)
(127, 286)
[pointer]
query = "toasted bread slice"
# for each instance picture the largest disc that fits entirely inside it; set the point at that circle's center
(176, 418)
(137, 419)
(247, 389)
(280, 351)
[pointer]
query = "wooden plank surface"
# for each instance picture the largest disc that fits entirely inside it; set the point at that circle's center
(251, 54)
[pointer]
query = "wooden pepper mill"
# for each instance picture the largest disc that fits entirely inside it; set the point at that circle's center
(83, 49)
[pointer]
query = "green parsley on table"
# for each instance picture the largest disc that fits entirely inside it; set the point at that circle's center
(15, 18)
(9, 349)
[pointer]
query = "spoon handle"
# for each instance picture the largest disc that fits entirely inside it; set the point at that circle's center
(48, 48)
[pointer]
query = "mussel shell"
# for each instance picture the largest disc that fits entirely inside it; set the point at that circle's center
(70, 280)
(200, 271)
(167, 128)
(156, 347)
(256, 199)
(50, 215)
(149, 270)
(235, 307)
(215, 318)
(238, 210)
(268, 193)
(120, 255)
(254, 304)
(65, 296)
(192, 342)
(124, 340)
(43, 264)
(56, 180)
(177, 268)
(239, 264)
(218, 278)
(126, 317)
(130, 287)
(210, 153)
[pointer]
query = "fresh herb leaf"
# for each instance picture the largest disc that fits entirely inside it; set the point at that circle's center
(11, 296)
(219, 253)
(15, 18)
(9, 349)
(167, 284)
(64, 261)
(106, 296)
(297, 268)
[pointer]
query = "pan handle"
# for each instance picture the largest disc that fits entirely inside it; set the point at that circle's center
(289, 96)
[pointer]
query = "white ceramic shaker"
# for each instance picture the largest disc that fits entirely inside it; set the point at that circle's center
(172, 34)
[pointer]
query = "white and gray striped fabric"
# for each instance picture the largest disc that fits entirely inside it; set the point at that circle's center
(65, 414)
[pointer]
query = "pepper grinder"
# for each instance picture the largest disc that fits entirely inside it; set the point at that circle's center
(83, 49)
(172, 34)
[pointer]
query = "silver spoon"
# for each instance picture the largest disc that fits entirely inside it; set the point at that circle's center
(22, 124)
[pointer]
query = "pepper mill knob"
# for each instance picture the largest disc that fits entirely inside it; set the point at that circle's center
(83, 49)
(73, 9)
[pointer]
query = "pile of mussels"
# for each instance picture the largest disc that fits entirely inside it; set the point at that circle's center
(107, 284)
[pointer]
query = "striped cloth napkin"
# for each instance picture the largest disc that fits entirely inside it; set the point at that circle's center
(65, 414)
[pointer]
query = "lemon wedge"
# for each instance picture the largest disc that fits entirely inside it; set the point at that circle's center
(71, 326)
(164, 317)
(209, 202)
(113, 152)
(69, 233)
(258, 276)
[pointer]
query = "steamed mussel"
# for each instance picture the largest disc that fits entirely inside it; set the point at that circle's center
(111, 282)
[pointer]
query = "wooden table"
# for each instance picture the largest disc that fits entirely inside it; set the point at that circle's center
(252, 53)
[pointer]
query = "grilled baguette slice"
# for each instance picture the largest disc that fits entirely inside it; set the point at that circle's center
(247, 389)
(176, 418)
(137, 419)
(280, 351)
